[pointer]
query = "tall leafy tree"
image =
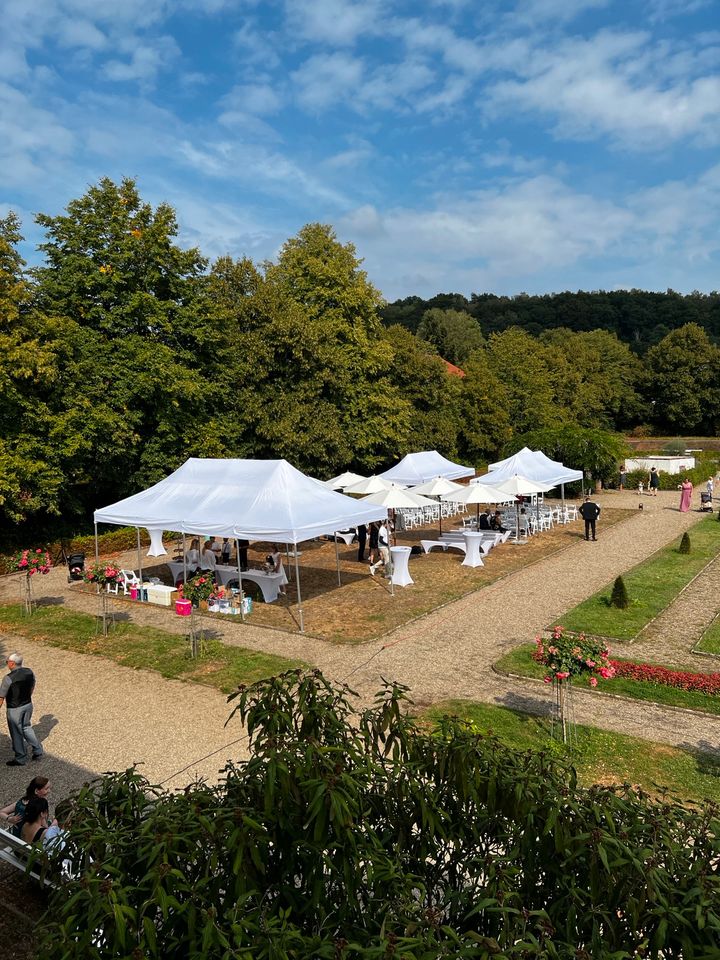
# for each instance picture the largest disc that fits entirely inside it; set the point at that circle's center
(322, 380)
(529, 373)
(683, 385)
(421, 377)
(30, 357)
(453, 333)
(485, 410)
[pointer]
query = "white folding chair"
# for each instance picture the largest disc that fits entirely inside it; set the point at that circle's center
(129, 579)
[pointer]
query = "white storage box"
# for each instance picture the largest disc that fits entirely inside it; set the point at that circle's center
(159, 593)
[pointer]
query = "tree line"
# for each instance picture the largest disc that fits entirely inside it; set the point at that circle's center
(123, 353)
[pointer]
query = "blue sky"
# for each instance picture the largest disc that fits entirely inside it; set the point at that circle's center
(462, 145)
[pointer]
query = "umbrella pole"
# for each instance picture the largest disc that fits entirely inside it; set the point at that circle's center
(337, 558)
(517, 523)
(440, 514)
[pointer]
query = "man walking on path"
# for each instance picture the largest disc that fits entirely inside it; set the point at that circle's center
(589, 511)
(16, 692)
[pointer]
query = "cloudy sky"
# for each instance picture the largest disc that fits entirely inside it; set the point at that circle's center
(462, 145)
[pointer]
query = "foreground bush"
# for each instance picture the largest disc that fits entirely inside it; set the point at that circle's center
(371, 836)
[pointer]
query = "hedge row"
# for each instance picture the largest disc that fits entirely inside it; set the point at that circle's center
(116, 541)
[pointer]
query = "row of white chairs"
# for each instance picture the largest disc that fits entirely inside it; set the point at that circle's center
(415, 517)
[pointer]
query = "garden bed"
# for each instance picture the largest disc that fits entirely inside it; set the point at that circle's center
(520, 662)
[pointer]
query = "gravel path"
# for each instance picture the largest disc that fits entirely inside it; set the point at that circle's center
(96, 715)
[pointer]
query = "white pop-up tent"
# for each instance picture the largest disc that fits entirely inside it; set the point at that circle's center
(534, 466)
(241, 499)
(417, 468)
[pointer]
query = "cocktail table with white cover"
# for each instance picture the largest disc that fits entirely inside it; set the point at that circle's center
(472, 553)
(401, 574)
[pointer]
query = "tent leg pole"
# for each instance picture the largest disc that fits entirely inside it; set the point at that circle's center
(184, 560)
(337, 558)
(562, 495)
(297, 587)
(287, 556)
(97, 547)
(140, 573)
(242, 596)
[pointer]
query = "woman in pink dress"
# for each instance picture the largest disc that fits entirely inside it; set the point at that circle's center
(686, 489)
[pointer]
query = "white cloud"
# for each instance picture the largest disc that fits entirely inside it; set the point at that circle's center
(593, 89)
(336, 22)
(145, 61)
(325, 79)
(252, 98)
(555, 11)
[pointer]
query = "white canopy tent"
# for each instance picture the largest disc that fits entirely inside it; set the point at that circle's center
(417, 468)
(241, 499)
(534, 466)
(344, 480)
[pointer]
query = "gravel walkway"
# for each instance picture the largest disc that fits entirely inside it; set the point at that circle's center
(96, 715)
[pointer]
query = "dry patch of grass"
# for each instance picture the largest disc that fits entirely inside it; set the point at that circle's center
(362, 607)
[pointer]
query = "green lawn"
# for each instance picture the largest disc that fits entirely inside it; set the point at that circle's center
(520, 661)
(144, 648)
(710, 640)
(600, 757)
(652, 585)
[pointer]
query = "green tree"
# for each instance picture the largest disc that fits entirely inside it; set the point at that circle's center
(619, 597)
(453, 333)
(484, 411)
(533, 375)
(683, 386)
(30, 360)
(401, 840)
(322, 377)
(423, 381)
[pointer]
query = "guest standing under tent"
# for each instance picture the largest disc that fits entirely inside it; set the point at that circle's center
(686, 489)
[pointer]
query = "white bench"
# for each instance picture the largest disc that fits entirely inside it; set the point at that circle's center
(17, 853)
(427, 545)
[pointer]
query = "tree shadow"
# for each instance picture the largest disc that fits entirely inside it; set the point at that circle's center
(50, 601)
(525, 703)
(706, 756)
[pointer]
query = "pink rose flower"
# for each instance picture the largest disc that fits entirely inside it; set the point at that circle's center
(562, 675)
(547, 679)
(593, 681)
(590, 663)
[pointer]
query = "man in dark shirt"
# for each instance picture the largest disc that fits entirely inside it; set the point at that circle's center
(589, 511)
(484, 523)
(16, 692)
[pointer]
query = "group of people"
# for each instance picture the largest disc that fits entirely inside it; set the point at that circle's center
(213, 552)
(29, 817)
(376, 536)
(491, 521)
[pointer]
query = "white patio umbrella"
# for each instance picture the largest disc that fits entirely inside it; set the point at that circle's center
(344, 480)
(397, 498)
(371, 485)
(519, 486)
(436, 488)
(478, 493)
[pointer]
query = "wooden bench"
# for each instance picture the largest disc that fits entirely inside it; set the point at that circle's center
(17, 853)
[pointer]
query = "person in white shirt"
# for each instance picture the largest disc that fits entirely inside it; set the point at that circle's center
(208, 560)
(277, 567)
(383, 548)
(710, 487)
(192, 557)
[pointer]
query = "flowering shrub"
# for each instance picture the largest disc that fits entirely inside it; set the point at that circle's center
(31, 562)
(573, 655)
(199, 588)
(102, 573)
(702, 682)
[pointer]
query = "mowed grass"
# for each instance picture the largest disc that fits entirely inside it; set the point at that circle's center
(519, 661)
(652, 585)
(599, 756)
(710, 640)
(143, 648)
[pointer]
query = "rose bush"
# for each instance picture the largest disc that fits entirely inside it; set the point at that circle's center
(708, 683)
(102, 573)
(567, 656)
(31, 562)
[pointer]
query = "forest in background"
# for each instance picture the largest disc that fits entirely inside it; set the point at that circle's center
(122, 354)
